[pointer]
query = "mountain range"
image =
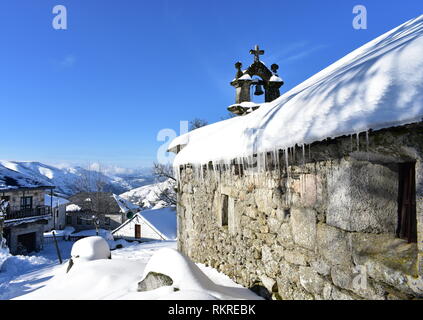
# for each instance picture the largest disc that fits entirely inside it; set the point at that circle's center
(70, 180)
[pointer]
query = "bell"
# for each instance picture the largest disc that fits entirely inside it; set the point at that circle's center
(259, 90)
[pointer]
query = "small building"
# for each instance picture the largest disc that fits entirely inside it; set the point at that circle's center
(25, 213)
(58, 208)
(148, 225)
(319, 193)
(110, 210)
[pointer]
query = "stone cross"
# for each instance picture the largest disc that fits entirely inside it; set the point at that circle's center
(257, 53)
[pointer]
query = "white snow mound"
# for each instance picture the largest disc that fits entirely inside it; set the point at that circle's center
(188, 278)
(91, 248)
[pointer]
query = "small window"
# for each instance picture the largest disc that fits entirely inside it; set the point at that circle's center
(407, 220)
(78, 220)
(68, 220)
(26, 202)
(225, 210)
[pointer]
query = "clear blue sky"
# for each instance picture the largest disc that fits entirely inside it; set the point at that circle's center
(123, 70)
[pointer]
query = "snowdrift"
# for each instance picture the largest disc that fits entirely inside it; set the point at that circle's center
(118, 279)
(189, 279)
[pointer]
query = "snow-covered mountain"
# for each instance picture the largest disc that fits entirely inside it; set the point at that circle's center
(153, 196)
(69, 180)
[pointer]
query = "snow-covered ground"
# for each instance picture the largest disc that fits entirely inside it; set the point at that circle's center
(40, 276)
(22, 274)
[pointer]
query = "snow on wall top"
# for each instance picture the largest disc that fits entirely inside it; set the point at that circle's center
(73, 208)
(377, 86)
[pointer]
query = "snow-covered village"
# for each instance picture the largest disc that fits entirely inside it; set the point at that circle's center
(150, 154)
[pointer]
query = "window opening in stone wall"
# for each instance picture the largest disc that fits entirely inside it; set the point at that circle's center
(407, 220)
(224, 211)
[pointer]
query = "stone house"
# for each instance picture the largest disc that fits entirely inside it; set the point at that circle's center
(273, 203)
(58, 208)
(25, 214)
(110, 209)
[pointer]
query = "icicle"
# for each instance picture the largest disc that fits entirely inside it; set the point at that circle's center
(277, 160)
(358, 142)
(367, 141)
(351, 143)
(287, 161)
(309, 152)
(287, 177)
(304, 159)
(214, 170)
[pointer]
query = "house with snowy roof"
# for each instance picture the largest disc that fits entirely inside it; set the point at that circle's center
(148, 225)
(58, 209)
(24, 213)
(110, 209)
(317, 194)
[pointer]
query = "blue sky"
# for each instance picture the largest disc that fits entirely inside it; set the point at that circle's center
(101, 90)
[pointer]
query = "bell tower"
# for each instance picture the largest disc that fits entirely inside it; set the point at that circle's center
(269, 81)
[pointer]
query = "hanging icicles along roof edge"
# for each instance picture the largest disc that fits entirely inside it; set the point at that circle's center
(379, 85)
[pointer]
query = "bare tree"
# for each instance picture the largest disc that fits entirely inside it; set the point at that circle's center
(167, 194)
(166, 191)
(3, 211)
(197, 123)
(92, 183)
(163, 171)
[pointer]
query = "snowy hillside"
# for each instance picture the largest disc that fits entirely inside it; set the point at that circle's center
(10, 178)
(68, 179)
(150, 196)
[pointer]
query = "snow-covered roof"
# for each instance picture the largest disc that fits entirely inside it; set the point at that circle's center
(125, 205)
(57, 201)
(73, 208)
(379, 85)
(163, 219)
(246, 104)
(245, 77)
(275, 79)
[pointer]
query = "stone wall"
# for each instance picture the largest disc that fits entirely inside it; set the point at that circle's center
(324, 229)
(15, 197)
(36, 227)
(86, 222)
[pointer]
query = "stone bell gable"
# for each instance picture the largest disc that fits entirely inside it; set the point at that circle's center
(268, 81)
